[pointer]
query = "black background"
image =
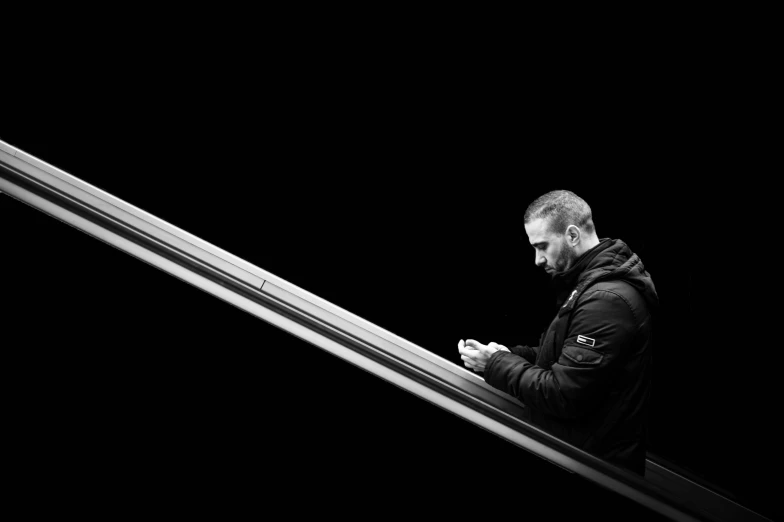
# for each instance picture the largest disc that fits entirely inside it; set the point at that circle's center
(398, 197)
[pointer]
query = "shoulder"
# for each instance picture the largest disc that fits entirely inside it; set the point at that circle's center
(603, 308)
(617, 291)
(618, 287)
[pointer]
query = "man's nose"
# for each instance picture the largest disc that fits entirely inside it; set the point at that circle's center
(539, 261)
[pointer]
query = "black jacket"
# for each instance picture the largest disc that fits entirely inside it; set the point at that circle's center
(589, 380)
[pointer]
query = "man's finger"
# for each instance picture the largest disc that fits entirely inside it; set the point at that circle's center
(473, 344)
(469, 362)
(473, 365)
(488, 348)
(468, 351)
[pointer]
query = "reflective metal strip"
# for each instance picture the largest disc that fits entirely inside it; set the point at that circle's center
(403, 350)
(703, 500)
(113, 202)
(227, 262)
(165, 233)
(250, 272)
(5, 147)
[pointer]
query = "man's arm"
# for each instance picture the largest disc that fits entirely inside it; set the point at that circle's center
(526, 352)
(602, 327)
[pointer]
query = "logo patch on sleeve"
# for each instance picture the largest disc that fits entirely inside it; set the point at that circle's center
(587, 341)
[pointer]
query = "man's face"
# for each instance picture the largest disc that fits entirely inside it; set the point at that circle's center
(553, 252)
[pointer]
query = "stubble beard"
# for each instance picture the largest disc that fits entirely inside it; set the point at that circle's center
(566, 258)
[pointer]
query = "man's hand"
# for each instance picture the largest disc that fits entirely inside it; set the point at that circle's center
(475, 355)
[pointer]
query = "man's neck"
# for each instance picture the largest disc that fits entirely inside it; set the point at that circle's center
(586, 245)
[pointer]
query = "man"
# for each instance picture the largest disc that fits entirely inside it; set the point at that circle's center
(589, 379)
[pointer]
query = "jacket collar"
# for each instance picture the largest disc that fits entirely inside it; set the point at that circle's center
(564, 282)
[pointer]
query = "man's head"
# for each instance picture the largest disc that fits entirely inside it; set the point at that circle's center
(560, 227)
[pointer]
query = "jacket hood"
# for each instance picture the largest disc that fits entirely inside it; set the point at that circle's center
(611, 259)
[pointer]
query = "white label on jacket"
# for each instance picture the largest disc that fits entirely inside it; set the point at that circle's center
(587, 341)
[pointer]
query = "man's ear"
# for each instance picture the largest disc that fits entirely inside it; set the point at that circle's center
(573, 235)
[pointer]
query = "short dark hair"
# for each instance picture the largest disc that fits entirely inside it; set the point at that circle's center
(562, 208)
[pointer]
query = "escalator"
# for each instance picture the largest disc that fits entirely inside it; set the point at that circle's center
(578, 479)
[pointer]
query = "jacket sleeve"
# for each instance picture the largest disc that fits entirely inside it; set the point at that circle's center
(526, 352)
(605, 326)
